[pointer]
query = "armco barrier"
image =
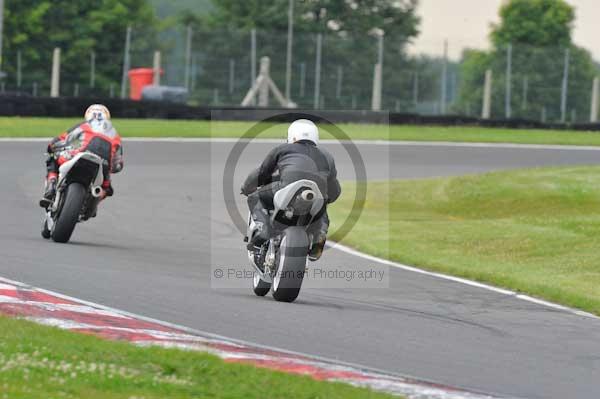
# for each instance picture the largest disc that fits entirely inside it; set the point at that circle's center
(75, 107)
(15, 105)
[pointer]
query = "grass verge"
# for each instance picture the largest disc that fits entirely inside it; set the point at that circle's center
(43, 362)
(47, 127)
(536, 231)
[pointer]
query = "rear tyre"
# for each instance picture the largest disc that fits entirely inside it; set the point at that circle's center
(69, 214)
(291, 265)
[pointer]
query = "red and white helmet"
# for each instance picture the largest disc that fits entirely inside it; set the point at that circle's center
(97, 112)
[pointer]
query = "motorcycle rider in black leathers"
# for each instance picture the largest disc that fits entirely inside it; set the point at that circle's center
(299, 159)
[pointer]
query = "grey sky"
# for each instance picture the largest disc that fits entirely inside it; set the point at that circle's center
(466, 23)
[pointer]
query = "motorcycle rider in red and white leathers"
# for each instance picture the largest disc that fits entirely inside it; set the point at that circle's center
(95, 134)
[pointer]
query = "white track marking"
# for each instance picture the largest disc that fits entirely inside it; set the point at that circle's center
(350, 251)
(60, 306)
(25, 139)
(9, 287)
(357, 142)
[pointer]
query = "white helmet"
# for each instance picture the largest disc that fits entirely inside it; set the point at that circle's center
(97, 112)
(303, 129)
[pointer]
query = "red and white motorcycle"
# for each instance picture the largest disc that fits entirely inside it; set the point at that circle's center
(78, 191)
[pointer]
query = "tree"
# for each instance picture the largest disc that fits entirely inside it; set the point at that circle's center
(35, 27)
(168, 8)
(538, 33)
(540, 23)
(396, 18)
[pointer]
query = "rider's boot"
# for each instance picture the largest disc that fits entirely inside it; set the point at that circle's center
(261, 218)
(318, 245)
(319, 229)
(50, 190)
(107, 191)
(259, 257)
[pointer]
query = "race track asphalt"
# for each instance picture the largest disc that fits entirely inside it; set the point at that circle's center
(155, 245)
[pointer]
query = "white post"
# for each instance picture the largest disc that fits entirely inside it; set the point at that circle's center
(19, 66)
(188, 58)
(340, 79)
(252, 56)
(156, 69)
(231, 75)
(288, 62)
(35, 89)
(544, 114)
(594, 104)
(126, 62)
(261, 87)
(55, 81)
(563, 93)
(525, 89)
(487, 95)
(377, 70)
(380, 48)
(444, 84)
(252, 59)
(318, 71)
(302, 79)
(453, 85)
(92, 69)
(376, 97)
(507, 94)
(263, 91)
(416, 89)
(194, 73)
(76, 90)
(1, 29)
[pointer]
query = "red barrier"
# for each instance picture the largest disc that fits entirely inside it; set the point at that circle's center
(138, 79)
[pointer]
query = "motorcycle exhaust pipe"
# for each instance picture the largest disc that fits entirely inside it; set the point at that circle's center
(308, 195)
(97, 192)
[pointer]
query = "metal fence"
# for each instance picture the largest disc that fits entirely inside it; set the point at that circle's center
(329, 71)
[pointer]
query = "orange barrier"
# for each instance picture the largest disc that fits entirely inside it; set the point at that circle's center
(138, 79)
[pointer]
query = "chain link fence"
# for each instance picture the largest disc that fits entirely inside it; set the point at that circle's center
(218, 67)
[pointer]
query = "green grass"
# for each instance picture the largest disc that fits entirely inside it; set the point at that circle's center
(43, 362)
(47, 127)
(536, 231)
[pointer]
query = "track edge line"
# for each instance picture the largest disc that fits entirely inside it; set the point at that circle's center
(461, 280)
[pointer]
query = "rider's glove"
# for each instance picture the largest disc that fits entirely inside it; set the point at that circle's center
(244, 190)
(54, 144)
(251, 183)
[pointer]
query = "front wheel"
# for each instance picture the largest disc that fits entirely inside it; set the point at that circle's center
(260, 286)
(69, 214)
(291, 264)
(46, 233)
